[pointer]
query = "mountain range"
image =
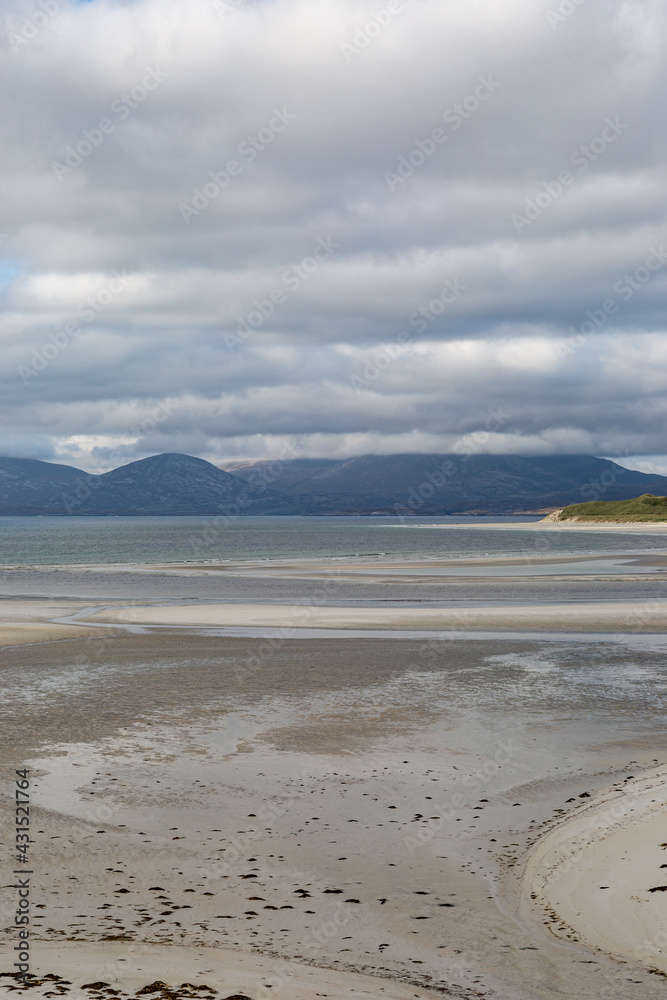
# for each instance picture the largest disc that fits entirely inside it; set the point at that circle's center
(383, 484)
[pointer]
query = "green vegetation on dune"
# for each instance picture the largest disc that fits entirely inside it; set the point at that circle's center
(643, 508)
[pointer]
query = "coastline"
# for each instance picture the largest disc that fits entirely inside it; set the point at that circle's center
(550, 524)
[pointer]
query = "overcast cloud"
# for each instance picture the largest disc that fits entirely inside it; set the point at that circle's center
(251, 228)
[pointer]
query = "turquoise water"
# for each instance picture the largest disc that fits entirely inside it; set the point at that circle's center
(35, 541)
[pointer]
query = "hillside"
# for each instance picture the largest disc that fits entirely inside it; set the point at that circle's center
(644, 508)
(162, 485)
(446, 484)
(28, 486)
(177, 484)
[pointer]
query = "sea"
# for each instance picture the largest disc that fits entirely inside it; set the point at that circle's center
(60, 541)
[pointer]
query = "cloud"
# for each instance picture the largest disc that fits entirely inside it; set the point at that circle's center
(405, 138)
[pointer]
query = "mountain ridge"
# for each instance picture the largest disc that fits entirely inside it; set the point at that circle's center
(448, 484)
(162, 485)
(173, 484)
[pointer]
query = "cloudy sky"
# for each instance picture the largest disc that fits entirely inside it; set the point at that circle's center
(250, 228)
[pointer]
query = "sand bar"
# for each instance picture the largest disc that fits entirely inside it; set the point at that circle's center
(599, 877)
(609, 616)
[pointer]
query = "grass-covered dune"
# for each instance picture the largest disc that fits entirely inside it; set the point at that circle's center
(643, 508)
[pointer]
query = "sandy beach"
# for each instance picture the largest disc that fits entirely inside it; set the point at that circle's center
(294, 816)
(599, 876)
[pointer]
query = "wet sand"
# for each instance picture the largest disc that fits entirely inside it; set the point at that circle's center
(282, 814)
(383, 570)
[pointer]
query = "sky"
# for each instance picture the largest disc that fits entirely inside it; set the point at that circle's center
(279, 228)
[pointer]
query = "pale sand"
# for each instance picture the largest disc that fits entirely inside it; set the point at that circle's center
(131, 966)
(580, 522)
(24, 621)
(591, 876)
(24, 634)
(610, 616)
(545, 525)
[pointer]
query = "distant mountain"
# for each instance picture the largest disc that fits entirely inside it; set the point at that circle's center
(386, 484)
(164, 484)
(27, 485)
(280, 475)
(177, 484)
(448, 484)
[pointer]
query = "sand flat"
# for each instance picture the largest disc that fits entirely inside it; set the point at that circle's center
(406, 774)
(393, 779)
(610, 616)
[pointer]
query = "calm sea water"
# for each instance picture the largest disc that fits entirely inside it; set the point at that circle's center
(39, 541)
